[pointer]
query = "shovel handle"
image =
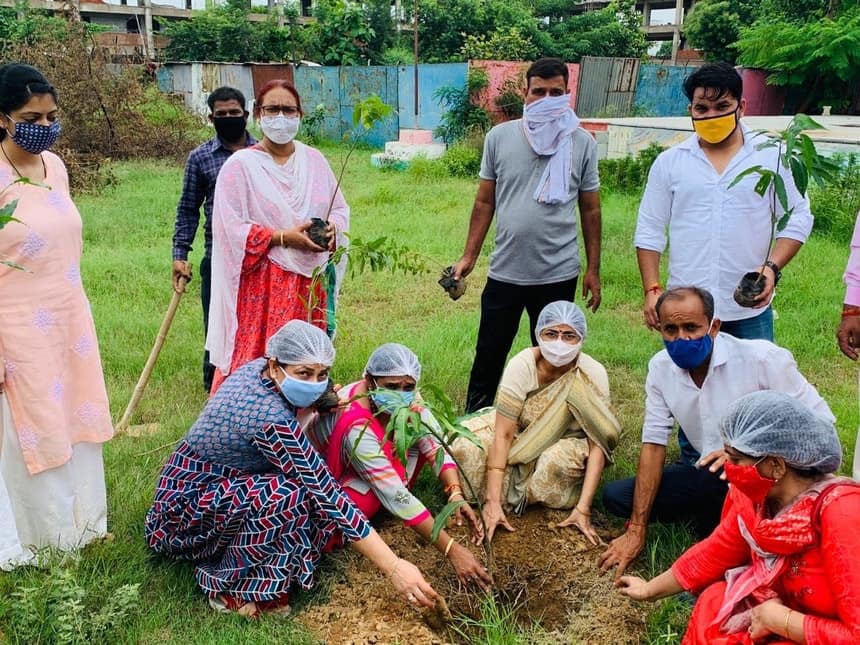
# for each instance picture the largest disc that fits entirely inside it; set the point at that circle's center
(136, 396)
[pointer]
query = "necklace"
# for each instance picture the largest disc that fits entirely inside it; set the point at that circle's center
(15, 168)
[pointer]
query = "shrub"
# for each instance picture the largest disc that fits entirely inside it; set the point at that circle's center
(835, 205)
(423, 169)
(462, 115)
(628, 174)
(312, 125)
(510, 99)
(462, 160)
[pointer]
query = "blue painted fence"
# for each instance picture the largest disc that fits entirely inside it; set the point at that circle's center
(660, 90)
(430, 79)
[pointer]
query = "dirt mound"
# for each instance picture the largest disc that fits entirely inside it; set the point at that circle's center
(548, 575)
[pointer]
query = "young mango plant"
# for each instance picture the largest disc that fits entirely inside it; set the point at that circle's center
(7, 215)
(406, 426)
(796, 153)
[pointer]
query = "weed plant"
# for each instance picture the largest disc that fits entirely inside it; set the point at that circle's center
(628, 174)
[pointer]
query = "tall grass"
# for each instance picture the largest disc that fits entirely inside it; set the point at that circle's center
(126, 270)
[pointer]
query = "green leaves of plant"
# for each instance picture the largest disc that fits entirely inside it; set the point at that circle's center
(370, 111)
(442, 518)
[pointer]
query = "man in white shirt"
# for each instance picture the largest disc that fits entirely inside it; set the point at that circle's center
(692, 382)
(716, 234)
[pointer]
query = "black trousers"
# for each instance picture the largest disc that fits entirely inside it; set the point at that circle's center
(205, 297)
(502, 307)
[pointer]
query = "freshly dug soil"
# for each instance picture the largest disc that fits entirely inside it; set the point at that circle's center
(550, 576)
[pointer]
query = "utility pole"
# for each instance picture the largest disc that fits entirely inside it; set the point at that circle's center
(149, 39)
(415, 55)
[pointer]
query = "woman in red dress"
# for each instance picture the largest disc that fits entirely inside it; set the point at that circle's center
(266, 270)
(782, 565)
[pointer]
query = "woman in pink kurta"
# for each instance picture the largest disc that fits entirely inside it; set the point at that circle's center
(54, 412)
(266, 271)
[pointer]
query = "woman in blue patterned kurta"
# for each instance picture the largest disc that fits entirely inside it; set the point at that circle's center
(246, 497)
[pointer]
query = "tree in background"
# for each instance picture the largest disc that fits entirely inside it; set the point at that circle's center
(820, 55)
(612, 31)
(714, 26)
(341, 34)
(505, 44)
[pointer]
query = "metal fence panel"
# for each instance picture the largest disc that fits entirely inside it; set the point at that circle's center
(320, 85)
(239, 77)
(430, 79)
(606, 86)
(660, 90)
(356, 84)
(262, 73)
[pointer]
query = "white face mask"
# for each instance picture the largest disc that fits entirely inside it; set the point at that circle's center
(559, 353)
(280, 129)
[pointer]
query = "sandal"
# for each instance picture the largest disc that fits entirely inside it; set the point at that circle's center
(226, 604)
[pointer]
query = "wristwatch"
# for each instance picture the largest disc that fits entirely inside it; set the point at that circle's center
(777, 274)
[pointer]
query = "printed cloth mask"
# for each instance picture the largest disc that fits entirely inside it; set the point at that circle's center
(558, 352)
(716, 129)
(689, 353)
(301, 394)
(749, 481)
(35, 138)
(230, 128)
(389, 400)
(280, 129)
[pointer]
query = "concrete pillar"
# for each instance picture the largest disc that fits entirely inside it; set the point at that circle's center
(148, 37)
(676, 31)
(279, 11)
(646, 13)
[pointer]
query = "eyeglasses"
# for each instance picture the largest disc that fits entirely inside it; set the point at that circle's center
(275, 110)
(566, 336)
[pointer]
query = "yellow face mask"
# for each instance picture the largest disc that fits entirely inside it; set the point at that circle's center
(716, 129)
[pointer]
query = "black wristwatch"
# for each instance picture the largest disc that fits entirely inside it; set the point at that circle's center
(777, 274)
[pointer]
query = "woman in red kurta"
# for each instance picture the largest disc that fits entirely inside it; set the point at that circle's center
(782, 566)
(266, 271)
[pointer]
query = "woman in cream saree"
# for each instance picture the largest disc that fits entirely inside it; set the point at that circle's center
(551, 432)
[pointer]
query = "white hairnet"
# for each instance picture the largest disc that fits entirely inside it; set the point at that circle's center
(770, 423)
(300, 343)
(562, 312)
(393, 359)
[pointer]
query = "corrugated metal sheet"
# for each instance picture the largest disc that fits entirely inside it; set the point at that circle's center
(164, 78)
(240, 77)
(606, 86)
(430, 79)
(660, 90)
(356, 84)
(262, 73)
(320, 85)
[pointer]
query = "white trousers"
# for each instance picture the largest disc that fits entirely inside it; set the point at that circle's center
(65, 507)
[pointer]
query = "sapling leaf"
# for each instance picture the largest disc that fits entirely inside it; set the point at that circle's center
(779, 187)
(783, 221)
(805, 122)
(439, 459)
(800, 176)
(442, 518)
(764, 181)
(747, 171)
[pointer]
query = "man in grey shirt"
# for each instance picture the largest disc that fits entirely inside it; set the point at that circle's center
(533, 173)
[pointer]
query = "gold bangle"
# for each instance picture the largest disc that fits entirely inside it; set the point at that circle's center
(281, 237)
(499, 468)
(448, 548)
(787, 633)
(456, 492)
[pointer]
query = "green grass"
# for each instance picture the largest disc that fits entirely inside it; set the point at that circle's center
(126, 269)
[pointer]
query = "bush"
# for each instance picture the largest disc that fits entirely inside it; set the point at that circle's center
(510, 99)
(628, 174)
(462, 116)
(312, 125)
(835, 205)
(462, 160)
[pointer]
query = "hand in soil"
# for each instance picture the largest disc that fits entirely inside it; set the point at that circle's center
(494, 516)
(408, 582)
(297, 238)
(591, 290)
(649, 311)
(716, 459)
(477, 531)
(469, 570)
(622, 551)
(581, 521)
(848, 336)
(633, 587)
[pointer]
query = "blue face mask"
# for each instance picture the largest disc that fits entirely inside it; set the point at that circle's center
(389, 400)
(301, 394)
(688, 354)
(34, 137)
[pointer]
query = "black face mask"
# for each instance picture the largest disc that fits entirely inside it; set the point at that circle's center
(230, 128)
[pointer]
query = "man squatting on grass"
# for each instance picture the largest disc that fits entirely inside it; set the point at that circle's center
(534, 171)
(717, 233)
(692, 382)
(227, 113)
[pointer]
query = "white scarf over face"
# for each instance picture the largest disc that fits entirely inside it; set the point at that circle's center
(548, 124)
(253, 189)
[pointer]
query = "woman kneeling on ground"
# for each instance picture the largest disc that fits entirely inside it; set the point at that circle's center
(364, 460)
(551, 431)
(247, 498)
(782, 565)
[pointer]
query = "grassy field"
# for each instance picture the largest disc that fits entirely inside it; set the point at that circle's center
(126, 270)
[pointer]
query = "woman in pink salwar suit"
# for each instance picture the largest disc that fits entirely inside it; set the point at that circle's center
(54, 413)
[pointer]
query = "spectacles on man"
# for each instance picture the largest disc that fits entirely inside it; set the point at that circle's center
(566, 336)
(275, 110)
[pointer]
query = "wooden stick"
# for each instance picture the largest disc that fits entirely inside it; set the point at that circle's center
(136, 396)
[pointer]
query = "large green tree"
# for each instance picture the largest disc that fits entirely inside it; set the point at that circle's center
(714, 26)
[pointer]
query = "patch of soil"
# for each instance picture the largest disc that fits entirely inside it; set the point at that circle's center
(748, 289)
(548, 575)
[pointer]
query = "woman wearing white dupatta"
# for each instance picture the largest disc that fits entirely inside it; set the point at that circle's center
(264, 265)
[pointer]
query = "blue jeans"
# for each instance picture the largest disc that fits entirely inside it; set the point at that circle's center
(760, 326)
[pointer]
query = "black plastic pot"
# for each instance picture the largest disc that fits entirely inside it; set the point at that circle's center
(749, 288)
(318, 232)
